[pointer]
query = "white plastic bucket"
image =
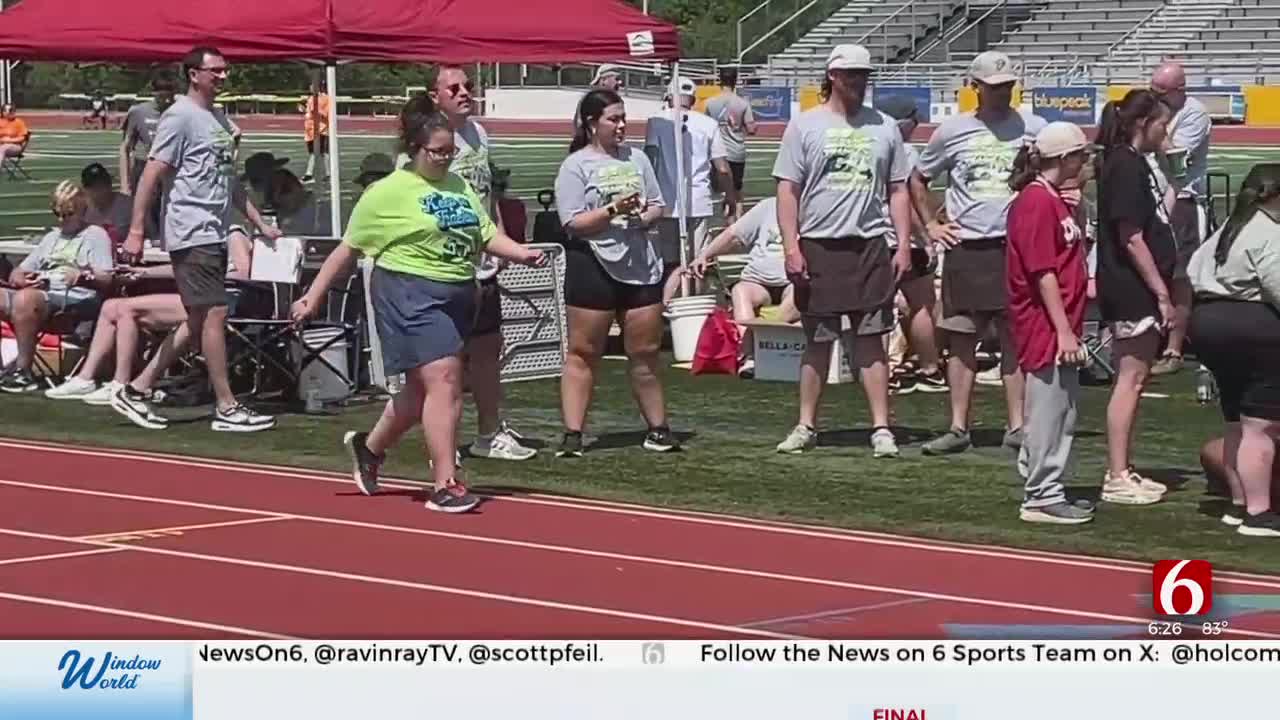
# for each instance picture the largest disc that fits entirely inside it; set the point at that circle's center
(686, 326)
(316, 377)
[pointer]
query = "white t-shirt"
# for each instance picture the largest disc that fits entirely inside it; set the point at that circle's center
(702, 144)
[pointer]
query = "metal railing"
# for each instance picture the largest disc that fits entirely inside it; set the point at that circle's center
(1130, 32)
(946, 38)
(883, 27)
(768, 9)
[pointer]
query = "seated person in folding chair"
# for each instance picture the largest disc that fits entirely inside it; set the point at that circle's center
(118, 328)
(764, 279)
(109, 209)
(67, 274)
(298, 210)
(14, 135)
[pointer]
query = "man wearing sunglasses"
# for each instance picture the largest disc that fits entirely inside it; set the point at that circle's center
(452, 95)
(193, 156)
(1185, 162)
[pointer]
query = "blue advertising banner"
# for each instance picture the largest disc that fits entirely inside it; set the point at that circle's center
(768, 103)
(1066, 104)
(922, 96)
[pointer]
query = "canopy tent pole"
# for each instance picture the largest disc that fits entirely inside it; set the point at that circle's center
(677, 120)
(335, 196)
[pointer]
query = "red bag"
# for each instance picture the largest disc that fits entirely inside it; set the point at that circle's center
(717, 351)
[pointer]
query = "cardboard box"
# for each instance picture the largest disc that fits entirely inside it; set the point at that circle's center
(778, 348)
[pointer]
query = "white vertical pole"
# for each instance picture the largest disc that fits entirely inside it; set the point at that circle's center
(335, 196)
(677, 120)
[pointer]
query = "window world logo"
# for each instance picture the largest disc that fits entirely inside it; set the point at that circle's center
(112, 672)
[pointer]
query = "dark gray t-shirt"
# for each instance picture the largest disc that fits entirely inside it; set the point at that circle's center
(140, 128)
(844, 166)
(979, 158)
(589, 180)
(197, 143)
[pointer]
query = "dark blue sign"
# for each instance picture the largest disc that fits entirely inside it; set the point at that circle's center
(1065, 104)
(921, 96)
(768, 104)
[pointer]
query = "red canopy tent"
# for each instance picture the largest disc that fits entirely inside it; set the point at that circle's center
(333, 31)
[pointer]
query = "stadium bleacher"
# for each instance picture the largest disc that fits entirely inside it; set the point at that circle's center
(1099, 41)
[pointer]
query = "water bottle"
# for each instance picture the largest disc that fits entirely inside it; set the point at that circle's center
(1204, 385)
(314, 405)
(394, 383)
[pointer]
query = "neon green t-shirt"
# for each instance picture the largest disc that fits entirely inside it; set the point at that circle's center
(411, 225)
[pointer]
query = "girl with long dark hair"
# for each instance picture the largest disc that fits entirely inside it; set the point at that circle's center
(608, 197)
(424, 228)
(1136, 259)
(1235, 325)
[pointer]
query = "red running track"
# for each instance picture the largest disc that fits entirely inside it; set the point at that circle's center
(115, 544)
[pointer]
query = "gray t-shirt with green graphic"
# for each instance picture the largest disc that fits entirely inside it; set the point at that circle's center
(758, 232)
(140, 128)
(844, 165)
(472, 164)
(589, 180)
(197, 143)
(732, 112)
(979, 158)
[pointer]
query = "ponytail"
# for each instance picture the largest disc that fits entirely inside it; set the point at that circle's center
(1026, 166)
(1261, 186)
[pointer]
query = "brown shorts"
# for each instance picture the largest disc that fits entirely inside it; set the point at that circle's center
(201, 275)
(973, 290)
(847, 326)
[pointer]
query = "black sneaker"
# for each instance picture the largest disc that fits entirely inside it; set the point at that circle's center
(364, 464)
(661, 439)
(1233, 515)
(19, 381)
(934, 382)
(453, 498)
(133, 405)
(1264, 524)
(570, 445)
(902, 383)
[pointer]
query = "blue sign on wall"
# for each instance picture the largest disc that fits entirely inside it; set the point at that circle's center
(768, 103)
(1065, 104)
(922, 96)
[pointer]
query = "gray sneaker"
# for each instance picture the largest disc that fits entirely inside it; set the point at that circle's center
(1060, 513)
(1013, 439)
(802, 438)
(949, 443)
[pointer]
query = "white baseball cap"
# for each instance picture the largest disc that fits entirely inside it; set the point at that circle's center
(686, 87)
(1060, 138)
(605, 71)
(849, 57)
(993, 68)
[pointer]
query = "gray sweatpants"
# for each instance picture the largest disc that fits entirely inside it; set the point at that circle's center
(1050, 428)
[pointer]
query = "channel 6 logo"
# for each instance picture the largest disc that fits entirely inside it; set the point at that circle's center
(1182, 587)
(653, 653)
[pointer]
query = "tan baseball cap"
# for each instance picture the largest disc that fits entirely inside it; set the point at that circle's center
(1060, 138)
(849, 57)
(993, 68)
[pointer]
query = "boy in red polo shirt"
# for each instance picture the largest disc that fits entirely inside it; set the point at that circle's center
(1046, 279)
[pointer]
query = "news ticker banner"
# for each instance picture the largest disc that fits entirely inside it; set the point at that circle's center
(871, 680)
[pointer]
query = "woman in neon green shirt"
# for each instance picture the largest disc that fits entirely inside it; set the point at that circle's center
(424, 227)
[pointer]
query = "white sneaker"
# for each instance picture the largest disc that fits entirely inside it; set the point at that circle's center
(801, 438)
(75, 388)
(502, 445)
(1126, 490)
(102, 396)
(883, 443)
(240, 419)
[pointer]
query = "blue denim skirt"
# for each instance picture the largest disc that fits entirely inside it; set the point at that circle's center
(418, 320)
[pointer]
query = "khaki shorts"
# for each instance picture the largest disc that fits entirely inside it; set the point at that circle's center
(825, 329)
(972, 323)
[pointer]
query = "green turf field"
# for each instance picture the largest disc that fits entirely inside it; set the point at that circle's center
(56, 156)
(730, 427)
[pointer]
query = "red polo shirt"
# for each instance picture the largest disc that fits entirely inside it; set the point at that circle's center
(1043, 237)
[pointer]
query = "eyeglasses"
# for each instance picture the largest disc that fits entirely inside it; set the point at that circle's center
(456, 88)
(223, 71)
(442, 153)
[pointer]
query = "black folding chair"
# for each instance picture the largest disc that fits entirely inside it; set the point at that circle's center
(12, 164)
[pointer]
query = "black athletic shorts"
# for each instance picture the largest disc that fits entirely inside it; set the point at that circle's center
(588, 285)
(488, 308)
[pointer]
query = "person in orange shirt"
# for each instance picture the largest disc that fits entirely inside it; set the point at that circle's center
(13, 132)
(315, 130)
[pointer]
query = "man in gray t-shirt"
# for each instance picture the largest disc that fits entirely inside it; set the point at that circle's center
(193, 154)
(733, 113)
(841, 174)
(139, 129)
(977, 151)
(1185, 162)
